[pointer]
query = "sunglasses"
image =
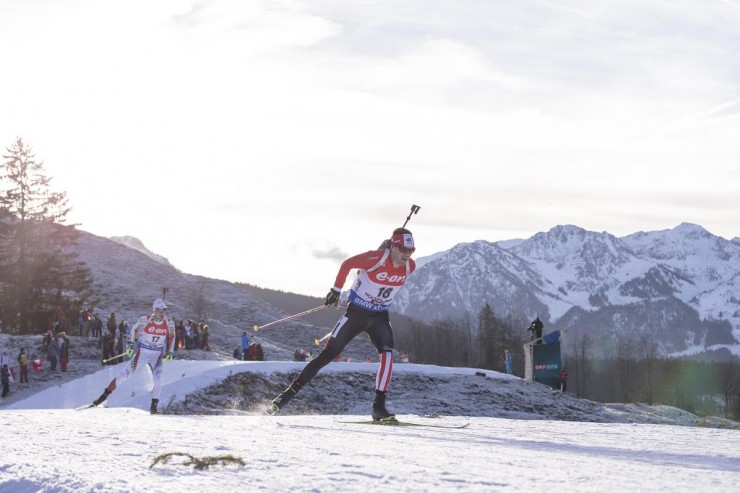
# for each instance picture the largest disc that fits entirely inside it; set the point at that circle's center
(406, 250)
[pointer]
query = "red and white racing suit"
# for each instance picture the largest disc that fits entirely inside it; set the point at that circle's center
(369, 300)
(152, 340)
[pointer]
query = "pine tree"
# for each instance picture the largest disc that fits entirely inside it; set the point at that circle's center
(490, 336)
(39, 270)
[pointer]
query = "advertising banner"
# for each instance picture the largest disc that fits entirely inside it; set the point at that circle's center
(547, 363)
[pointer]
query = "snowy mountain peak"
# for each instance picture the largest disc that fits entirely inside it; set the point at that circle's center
(564, 242)
(687, 243)
(559, 242)
(136, 244)
(692, 231)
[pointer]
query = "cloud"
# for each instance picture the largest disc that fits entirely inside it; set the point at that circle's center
(333, 253)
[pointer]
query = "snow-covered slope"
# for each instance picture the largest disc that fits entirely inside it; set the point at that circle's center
(136, 244)
(47, 446)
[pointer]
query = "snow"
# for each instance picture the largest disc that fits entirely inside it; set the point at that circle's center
(50, 447)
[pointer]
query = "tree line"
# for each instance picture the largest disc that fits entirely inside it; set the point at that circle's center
(42, 280)
(630, 369)
(478, 343)
(625, 369)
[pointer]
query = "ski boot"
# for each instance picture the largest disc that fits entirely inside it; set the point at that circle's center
(380, 413)
(283, 399)
(153, 407)
(102, 398)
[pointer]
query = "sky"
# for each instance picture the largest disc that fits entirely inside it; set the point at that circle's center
(114, 448)
(265, 141)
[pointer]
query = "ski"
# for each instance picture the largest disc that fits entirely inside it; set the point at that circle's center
(86, 406)
(405, 423)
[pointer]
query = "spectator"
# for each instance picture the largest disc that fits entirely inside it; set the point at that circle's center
(300, 354)
(238, 353)
(63, 351)
(563, 379)
(111, 343)
(112, 324)
(4, 359)
(46, 341)
(103, 343)
(536, 329)
(188, 335)
(245, 344)
(179, 335)
(97, 326)
(196, 335)
(80, 322)
(204, 338)
(254, 352)
(507, 360)
(52, 354)
(23, 363)
(5, 379)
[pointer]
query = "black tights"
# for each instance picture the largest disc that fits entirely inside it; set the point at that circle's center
(353, 322)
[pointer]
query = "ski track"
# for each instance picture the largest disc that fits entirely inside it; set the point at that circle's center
(112, 449)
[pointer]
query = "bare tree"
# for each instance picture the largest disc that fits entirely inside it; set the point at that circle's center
(625, 368)
(579, 364)
(729, 384)
(649, 352)
(200, 299)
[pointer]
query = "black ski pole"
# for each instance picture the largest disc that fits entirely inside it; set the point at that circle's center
(414, 210)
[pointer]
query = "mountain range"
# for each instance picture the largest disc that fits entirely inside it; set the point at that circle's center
(677, 287)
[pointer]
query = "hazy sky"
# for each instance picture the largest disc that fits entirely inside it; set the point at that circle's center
(262, 141)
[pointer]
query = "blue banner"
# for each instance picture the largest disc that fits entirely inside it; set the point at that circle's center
(547, 364)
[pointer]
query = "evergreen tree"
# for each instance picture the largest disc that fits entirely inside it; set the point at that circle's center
(492, 344)
(39, 270)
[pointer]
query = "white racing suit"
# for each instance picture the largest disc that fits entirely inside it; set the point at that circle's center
(152, 341)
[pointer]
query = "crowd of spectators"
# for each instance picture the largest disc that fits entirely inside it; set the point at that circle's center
(112, 338)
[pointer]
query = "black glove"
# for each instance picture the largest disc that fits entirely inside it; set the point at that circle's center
(332, 298)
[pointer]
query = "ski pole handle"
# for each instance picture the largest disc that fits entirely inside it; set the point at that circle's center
(319, 341)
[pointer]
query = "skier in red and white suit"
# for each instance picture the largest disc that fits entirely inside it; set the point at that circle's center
(382, 273)
(151, 340)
